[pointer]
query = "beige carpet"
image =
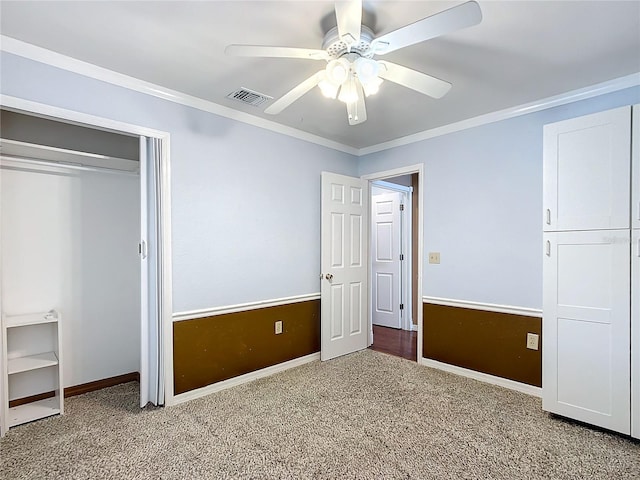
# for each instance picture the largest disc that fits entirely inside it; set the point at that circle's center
(367, 415)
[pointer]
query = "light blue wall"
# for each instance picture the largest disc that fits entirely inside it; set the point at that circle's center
(245, 201)
(245, 204)
(483, 203)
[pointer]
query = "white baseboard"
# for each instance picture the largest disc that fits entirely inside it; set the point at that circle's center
(483, 377)
(247, 377)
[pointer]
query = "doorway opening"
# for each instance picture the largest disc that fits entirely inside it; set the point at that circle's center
(391, 245)
(395, 262)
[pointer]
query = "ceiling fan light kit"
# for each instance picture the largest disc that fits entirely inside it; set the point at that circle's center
(351, 73)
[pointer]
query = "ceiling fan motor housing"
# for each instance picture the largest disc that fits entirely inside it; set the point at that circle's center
(336, 48)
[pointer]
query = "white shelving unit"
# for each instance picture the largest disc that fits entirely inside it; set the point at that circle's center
(32, 360)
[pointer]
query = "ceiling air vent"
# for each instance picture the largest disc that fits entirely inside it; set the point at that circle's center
(250, 97)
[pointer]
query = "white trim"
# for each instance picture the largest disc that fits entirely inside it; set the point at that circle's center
(44, 110)
(511, 112)
(165, 271)
(489, 307)
(53, 166)
(396, 172)
(247, 377)
(241, 307)
(48, 57)
(483, 377)
(393, 186)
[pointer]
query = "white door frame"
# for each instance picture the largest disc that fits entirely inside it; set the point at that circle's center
(164, 207)
(406, 242)
(410, 169)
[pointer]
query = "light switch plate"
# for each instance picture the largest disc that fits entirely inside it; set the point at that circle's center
(278, 327)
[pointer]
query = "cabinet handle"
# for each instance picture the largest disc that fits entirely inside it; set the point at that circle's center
(548, 248)
(142, 249)
(638, 248)
(548, 216)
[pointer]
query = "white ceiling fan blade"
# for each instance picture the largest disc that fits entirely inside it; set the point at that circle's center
(283, 52)
(450, 20)
(295, 93)
(357, 111)
(420, 82)
(349, 18)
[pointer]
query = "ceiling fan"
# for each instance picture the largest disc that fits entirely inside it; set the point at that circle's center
(351, 72)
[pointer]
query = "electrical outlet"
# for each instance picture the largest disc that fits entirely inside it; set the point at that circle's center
(532, 341)
(278, 327)
(434, 257)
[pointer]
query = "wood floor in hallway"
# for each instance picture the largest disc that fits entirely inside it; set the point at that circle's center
(401, 343)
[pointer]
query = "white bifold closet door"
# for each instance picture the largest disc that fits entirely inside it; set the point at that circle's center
(152, 336)
(635, 272)
(635, 333)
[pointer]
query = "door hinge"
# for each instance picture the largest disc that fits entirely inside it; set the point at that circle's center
(401, 256)
(402, 207)
(402, 306)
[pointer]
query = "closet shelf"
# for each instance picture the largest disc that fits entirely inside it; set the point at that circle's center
(33, 411)
(31, 362)
(30, 319)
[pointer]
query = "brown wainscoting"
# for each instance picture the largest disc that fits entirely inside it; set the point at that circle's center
(488, 342)
(211, 349)
(80, 389)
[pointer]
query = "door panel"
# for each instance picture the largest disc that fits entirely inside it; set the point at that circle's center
(635, 333)
(635, 167)
(586, 160)
(386, 260)
(145, 368)
(585, 330)
(344, 270)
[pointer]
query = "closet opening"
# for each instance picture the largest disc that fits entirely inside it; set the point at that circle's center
(76, 243)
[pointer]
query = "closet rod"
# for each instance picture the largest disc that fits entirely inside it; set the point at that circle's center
(74, 166)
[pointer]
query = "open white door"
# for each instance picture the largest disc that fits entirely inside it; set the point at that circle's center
(385, 275)
(344, 259)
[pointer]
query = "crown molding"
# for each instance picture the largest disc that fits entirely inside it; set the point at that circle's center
(49, 57)
(511, 112)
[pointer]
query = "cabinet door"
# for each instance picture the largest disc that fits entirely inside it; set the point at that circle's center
(586, 172)
(635, 333)
(635, 167)
(586, 327)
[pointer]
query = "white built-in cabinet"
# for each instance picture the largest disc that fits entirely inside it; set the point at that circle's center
(591, 268)
(32, 366)
(635, 273)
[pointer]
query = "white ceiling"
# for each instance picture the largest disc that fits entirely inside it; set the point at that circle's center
(521, 52)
